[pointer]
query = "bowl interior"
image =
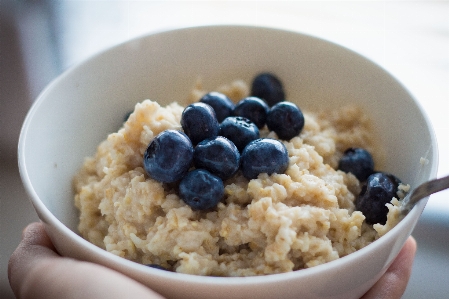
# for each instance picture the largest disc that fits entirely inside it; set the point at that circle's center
(78, 109)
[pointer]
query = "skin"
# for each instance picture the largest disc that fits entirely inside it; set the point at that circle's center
(36, 270)
(393, 283)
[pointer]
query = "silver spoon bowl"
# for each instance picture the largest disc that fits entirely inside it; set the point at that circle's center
(422, 191)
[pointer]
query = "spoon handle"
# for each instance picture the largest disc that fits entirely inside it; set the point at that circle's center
(422, 191)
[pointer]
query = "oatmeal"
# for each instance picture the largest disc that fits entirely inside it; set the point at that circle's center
(297, 219)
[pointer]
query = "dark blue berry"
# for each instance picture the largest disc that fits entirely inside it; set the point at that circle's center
(201, 190)
(286, 120)
(357, 161)
(379, 189)
(156, 266)
(269, 88)
(218, 155)
(396, 181)
(264, 156)
(168, 157)
(239, 130)
(199, 122)
(254, 109)
(223, 106)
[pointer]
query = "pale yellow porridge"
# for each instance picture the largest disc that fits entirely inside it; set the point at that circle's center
(278, 223)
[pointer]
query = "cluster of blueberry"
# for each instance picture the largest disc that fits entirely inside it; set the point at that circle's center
(220, 137)
(378, 187)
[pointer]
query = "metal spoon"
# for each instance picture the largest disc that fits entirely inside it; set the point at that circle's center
(422, 191)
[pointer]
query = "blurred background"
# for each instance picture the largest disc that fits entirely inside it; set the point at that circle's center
(40, 39)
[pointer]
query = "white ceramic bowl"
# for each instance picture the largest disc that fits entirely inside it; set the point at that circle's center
(78, 109)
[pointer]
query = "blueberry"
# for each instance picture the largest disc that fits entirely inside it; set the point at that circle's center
(379, 189)
(156, 266)
(201, 190)
(396, 181)
(222, 105)
(199, 122)
(218, 155)
(254, 109)
(286, 120)
(357, 161)
(239, 130)
(168, 157)
(264, 156)
(269, 88)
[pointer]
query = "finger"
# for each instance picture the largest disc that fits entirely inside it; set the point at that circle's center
(35, 270)
(34, 247)
(393, 283)
(35, 234)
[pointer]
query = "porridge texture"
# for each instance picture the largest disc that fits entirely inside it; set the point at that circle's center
(273, 224)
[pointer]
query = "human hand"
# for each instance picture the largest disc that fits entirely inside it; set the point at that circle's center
(36, 271)
(393, 283)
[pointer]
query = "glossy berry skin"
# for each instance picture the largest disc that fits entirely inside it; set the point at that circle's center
(269, 88)
(199, 122)
(286, 120)
(201, 190)
(379, 189)
(218, 155)
(254, 109)
(168, 157)
(239, 130)
(264, 156)
(222, 105)
(357, 161)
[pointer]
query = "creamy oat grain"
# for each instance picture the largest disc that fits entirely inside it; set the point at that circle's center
(279, 223)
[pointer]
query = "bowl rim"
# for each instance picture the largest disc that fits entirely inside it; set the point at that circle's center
(49, 218)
